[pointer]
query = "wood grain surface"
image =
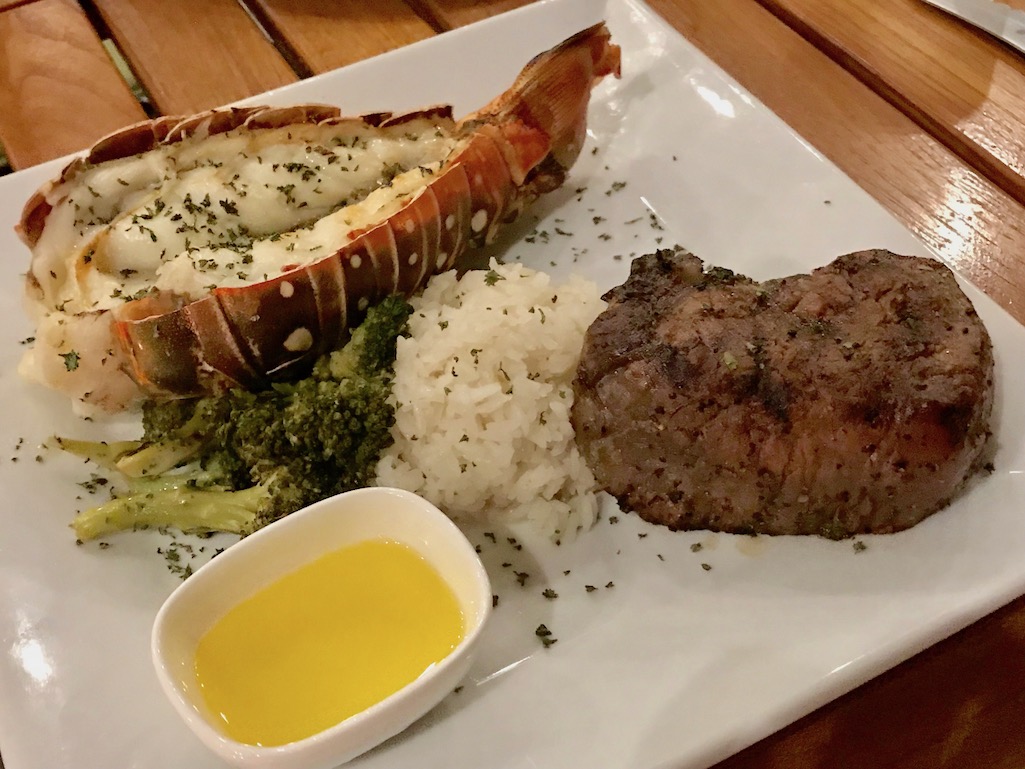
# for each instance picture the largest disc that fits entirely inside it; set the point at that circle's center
(450, 14)
(963, 86)
(326, 34)
(924, 113)
(192, 55)
(971, 221)
(59, 91)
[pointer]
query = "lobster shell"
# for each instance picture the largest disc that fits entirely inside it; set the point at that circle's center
(506, 154)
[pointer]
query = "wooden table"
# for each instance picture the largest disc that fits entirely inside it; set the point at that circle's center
(921, 111)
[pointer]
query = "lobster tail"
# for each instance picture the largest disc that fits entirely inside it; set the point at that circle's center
(370, 206)
(550, 96)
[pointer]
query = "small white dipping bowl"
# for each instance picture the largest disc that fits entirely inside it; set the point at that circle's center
(264, 557)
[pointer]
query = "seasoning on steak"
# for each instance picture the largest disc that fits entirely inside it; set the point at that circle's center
(855, 399)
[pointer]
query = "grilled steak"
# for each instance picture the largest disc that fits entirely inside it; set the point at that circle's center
(855, 399)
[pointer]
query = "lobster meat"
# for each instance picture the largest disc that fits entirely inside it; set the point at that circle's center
(183, 256)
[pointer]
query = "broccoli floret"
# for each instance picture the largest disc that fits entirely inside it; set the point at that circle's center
(239, 460)
(371, 350)
(163, 418)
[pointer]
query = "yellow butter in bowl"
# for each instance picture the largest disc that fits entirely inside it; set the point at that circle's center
(326, 642)
(322, 635)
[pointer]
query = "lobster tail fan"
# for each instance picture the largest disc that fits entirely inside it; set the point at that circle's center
(551, 94)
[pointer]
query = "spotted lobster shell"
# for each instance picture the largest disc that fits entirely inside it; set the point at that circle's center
(177, 339)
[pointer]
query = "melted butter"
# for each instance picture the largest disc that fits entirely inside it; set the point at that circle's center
(326, 642)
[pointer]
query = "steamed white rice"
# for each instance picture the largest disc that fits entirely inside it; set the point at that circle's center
(483, 390)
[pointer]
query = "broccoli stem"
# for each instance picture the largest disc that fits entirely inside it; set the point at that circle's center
(179, 506)
(104, 453)
(157, 458)
(135, 459)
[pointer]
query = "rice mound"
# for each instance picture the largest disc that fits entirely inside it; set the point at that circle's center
(483, 391)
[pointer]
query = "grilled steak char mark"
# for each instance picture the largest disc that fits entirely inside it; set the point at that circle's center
(855, 399)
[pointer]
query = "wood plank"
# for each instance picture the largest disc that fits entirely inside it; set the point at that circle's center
(59, 90)
(327, 34)
(450, 14)
(969, 220)
(899, 46)
(194, 54)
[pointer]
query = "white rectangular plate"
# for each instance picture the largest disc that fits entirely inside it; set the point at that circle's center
(665, 663)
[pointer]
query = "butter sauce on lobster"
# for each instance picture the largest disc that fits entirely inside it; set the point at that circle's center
(183, 256)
